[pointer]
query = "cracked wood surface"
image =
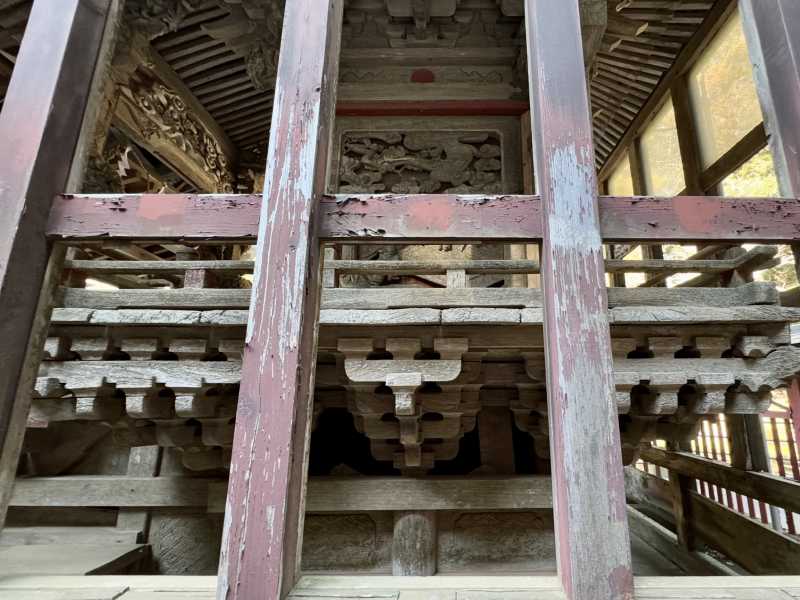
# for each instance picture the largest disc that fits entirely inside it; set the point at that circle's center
(262, 534)
(40, 125)
(588, 485)
(754, 293)
(418, 218)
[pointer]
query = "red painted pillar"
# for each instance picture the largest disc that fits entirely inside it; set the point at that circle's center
(39, 128)
(262, 537)
(591, 527)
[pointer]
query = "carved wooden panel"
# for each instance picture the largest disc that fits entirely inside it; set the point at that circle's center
(470, 155)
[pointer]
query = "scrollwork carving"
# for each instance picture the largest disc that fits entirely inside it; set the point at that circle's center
(168, 118)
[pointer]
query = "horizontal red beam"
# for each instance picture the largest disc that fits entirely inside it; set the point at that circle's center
(438, 108)
(423, 218)
(155, 217)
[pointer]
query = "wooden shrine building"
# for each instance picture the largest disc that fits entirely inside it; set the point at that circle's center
(408, 299)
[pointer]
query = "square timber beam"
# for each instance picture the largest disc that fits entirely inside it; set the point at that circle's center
(586, 458)
(40, 124)
(265, 506)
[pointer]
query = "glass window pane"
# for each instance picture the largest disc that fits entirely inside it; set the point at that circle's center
(754, 179)
(634, 279)
(661, 155)
(620, 183)
(723, 93)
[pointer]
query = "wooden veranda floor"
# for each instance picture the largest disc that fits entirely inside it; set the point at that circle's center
(409, 588)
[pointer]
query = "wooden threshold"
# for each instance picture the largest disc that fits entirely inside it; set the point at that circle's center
(122, 587)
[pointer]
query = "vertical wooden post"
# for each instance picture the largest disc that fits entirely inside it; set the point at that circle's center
(772, 30)
(588, 486)
(262, 534)
(680, 490)
(39, 126)
(687, 137)
(414, 544)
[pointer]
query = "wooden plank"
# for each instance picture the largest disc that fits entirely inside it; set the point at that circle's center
(772, 30)
(467, 315)
(170, 217)
(750, 543)
(153, 587)
(330, 495)
(110, 491)
(161, 267)
(23, 536)
(702, 219)
(762, 486)
(143, 461)
(85, 593)
(326, 495)
(665, 542)
(39, 125)
(262, 535)
(421, 218)
(438, 108)
(402, 267)
(756, 293)
(69, 559)
(588, 485)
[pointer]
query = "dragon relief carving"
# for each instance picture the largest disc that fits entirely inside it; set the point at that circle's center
(421, 162)
(168, 118)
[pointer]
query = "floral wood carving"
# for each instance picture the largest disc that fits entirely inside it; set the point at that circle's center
(167, 118)
(421, 162)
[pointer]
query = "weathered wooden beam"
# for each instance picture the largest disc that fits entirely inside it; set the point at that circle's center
(262, 536)
(744, 540)
(111, 491)
(665, 542)
(399, 267)
(588, 485)
(761, 486)
(326, 495)
(430, 108)
(702, 219)
(423, 218)
(39, 125)
(747, 541)
(756, 293)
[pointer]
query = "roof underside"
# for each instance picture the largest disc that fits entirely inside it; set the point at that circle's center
(225, 51)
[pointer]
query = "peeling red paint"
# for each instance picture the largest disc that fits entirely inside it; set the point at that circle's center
(440, 217)
(588, 488)
(156, 207)
(262, 536)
